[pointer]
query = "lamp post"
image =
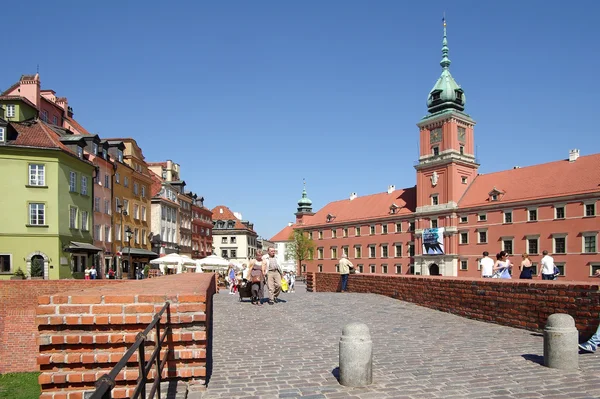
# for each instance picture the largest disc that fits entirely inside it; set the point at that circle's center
(129, 233)
(122, 234)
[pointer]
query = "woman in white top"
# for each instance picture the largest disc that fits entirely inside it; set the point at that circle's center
(503, 266)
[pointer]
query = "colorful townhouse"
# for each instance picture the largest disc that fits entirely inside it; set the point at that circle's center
(443, 224)
(165, 217)
(233, 237)
(202, 244)
(47, 209)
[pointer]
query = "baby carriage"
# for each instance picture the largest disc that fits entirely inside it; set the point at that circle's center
(244, 289)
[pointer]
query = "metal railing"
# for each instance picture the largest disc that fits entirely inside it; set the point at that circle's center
(106, 383)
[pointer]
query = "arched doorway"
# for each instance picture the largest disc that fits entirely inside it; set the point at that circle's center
(434, 270)
(38, 265)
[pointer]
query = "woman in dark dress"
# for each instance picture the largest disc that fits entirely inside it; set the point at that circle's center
(526, 268)
(256, 277)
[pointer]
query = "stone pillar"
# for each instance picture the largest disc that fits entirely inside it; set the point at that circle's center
(560, 342)
(356, 355)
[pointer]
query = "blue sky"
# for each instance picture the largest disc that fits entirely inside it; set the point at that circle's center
(250, 97)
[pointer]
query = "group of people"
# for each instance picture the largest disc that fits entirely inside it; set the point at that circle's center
(90, 273)
(262, 271)
(502, 266)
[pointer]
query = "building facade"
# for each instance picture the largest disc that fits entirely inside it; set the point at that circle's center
(453, 214)
(165, 217)
(233, 238)
(202, 243)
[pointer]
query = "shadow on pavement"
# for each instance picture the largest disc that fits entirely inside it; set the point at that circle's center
(534, 358)
(336, 373)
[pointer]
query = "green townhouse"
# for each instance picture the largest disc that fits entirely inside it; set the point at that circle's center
(46, 208)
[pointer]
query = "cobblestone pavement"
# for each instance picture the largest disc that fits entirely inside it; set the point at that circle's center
(291, 350)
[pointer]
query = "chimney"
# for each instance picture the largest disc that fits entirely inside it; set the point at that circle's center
(573, 155)
(391, 188)
(290, 224)
(29, 87)
(353, 196)
(516, 167)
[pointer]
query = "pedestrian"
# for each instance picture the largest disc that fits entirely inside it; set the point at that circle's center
(86, 273)
(345, 266)
(487, 265)
(274, 274)
(526, 268)
(256, 276)
(93, 273)
(502, 266)
(547, 267)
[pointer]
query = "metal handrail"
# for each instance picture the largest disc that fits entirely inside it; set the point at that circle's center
(107, 382)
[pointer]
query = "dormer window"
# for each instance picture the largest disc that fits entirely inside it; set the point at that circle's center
(79, 152)
(393, 209)
(45, 116)
(330, 217)
(2, 135)
(435, 96)
(495, 195)
(120, 155)
(104, 153)
(95, 148)
(459, 95)
(10, 111)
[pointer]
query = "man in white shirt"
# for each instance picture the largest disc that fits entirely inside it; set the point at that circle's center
(487, 265)
(547, 268)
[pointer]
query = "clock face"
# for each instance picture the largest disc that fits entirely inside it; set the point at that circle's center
(435, 135)
(461, 133)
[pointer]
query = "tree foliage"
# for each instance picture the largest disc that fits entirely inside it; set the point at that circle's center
(300, 248)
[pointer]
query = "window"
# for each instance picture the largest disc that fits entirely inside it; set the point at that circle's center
(320, 234)
(411, 249)
(320, 253)
(232, 240)
(143, 191)
(5, 263)
(79, 152)
(143, 237)
(482, 217)
(97, 232)
(361, 268)
(136, 211)
(589, 243)
(494, 197)
(463, 180)
(464, 219)
(118, 177)
(384, 229)
(532, 246)
(107, 234)
(534, 268)
(482, 237)
(84, 220)
(398, 250)
(223, 240)
(333, 233)
(593, 268)
(10, 111)
(345, 232)
(384, 269)
(398, 269)
(84, 182)
(411, 226)
(464, 238)
(126, 181)
(73, 182)
(436, 150)
(399, 227)
(224, 254)
(94, 148)
(507, 245)
(320, 268)
(560, 245)
(143, 213)
(310, 235)
(72, 217)
(372, 251)
(37, 175)
(384, 251)
(2, 135)
(358, 252)
(337, 267)
(96, 204)
(372, 268)
(508, 217)
(120, 155)
(559, 212)
(333, 253)
(372, 229)
(590, 209)
(561, 268)
(532, 215)
(136, 235)
(434, 223)
(126, 205)
(136, 188)
(357, 231)
(118, 232)
(463, 265)
(345, 251)
(44, 116)
(37, 214)
(435, 200)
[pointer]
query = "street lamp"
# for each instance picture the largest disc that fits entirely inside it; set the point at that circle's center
(129, 233)
(123, 213)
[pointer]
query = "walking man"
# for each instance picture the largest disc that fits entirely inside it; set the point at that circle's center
(547, 269)
(487, 265)
(274, 273)
(345, 266)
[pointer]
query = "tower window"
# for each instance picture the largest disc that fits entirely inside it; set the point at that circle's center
(464, 180)
(462, 150)
(459, 96)
(435, 96)
(436, 150)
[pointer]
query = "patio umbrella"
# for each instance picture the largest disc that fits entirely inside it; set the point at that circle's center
(213, 262)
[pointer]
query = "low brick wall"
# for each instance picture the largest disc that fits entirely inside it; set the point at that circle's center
(516, 303)
(18, 331)
(84, 334)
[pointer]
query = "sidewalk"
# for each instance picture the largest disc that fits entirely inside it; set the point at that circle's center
(290, 350)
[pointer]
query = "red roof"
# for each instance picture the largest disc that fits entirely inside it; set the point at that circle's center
(80, 129)
(367, 207)
(221, 212)
(283, 235)
(549, 180)
(163, 164)
(18, 98)
(156, 184)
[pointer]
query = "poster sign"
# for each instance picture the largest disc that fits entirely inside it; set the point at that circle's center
(433, 241)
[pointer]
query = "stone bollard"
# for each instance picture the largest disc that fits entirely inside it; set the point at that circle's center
(560, 342)
(356, 355)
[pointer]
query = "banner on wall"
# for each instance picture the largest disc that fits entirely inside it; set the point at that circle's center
(433, 241)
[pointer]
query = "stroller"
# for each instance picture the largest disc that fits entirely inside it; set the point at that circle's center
(244, 289)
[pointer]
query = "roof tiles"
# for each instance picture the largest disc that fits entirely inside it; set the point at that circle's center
(283, 235)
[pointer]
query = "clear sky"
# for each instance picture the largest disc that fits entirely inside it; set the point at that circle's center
(250, 97)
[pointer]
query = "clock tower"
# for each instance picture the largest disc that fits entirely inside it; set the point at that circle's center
(446, 168)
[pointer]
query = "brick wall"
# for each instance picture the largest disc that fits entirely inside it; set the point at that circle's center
(516, 303)
(84, 334)
(18, 331)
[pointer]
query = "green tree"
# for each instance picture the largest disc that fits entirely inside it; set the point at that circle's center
(300, 248)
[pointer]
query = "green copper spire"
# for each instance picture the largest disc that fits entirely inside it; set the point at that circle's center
(446, 94)
(304, 204)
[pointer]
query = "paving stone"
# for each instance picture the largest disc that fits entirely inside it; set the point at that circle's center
(290, 350)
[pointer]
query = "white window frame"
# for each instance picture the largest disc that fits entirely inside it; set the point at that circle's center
(2, 137)
(398, 268)
(398, 227)
(397, 254)
(143, 191)
(346, 250)
(94, 148)
(37, 174)
(345, 232)
(79, 152)
(384, 268)
(593, 234)
(120, 155)
(433, 222)
(36, 207)
(143, 213)
(357, 248)
(593, 267)
(320, 253)
(564, 207)
(320, 268)
(435, 199)
(118, 178)
(532, 237)
(11, 110)
(585, 205)
(106, 181)
(466, 217)
(10, 262)
(96, 204)
(84, 185)
(482, 217)
(126, 205)
(537, 214)
(320, 234)
(98, 232)
(564, 268)
(372, 268)
(384, 228)
(460, 237)
(136, 188)
(107, 234)
(460, 265)
(136, 211)
(333, 233)
(512, 244)
(372, 230)
(487, 238)
(72, 182)
(84, 220)
(72, 217)
(357, 231)
(507, 212)
(372, 250)
(464, 180)
(554, 237)
(387, 248)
